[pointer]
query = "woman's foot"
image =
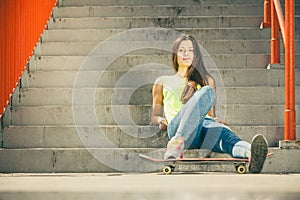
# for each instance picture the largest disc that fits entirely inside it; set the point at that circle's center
(175, 148)
(259, 151)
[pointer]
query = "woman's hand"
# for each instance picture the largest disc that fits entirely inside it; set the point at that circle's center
(163, 125)
(220, 121)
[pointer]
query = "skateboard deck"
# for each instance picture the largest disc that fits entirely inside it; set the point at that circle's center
(170, 164)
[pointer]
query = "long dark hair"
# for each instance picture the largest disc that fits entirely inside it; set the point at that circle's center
(196, 72)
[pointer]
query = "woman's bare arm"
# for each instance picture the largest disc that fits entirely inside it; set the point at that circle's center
(157, 105)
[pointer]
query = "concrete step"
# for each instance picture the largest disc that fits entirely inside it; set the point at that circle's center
(64, 3)
(161, 10)
(270, 115)
(90, 160)
(140, 96)
(127, 62)
(109, 78)
(164, 22)
(68, 137)
(92, 35)
(15, 137)
(158, 10)
(213, 47)
(140, 47)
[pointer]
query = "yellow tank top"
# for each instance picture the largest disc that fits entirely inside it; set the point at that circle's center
(172, 90)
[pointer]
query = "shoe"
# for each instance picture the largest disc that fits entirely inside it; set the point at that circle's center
(175, 148)
(259, 151)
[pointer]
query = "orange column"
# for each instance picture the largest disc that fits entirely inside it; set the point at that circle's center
(275, 40)
(267, 15)
(290, 114)
(21, 24)
(1, 56)
(4, 57)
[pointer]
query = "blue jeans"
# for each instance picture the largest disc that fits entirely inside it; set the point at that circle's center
(198, 131)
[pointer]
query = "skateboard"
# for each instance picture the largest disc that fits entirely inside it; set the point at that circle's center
(170, 164)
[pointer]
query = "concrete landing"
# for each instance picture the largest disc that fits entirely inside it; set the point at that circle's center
(149, 186)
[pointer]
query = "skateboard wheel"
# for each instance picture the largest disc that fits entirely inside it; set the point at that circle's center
(167, 170)
(241, 169)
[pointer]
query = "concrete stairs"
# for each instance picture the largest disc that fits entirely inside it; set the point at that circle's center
(50, 129)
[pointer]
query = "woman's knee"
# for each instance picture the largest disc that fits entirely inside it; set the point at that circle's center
(207, 93)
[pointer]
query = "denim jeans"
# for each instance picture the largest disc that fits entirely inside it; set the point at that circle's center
(201, 132)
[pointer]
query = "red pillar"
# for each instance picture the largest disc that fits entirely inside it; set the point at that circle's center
(290, 113)
(275, 40)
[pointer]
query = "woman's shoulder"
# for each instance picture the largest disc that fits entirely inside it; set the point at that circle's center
(165, 79)
(159, 81)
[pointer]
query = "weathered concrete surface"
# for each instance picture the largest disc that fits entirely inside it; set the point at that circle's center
(39, 132)
(148, 186)
(96, 160)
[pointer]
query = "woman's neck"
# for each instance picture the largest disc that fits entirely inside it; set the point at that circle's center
(181, 71)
